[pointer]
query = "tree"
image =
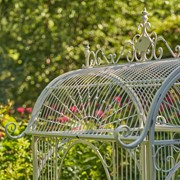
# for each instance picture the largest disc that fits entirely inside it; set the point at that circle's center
(43, 39)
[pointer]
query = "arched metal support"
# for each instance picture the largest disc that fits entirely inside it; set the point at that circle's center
(167, 84)
(49, 154)
(48, 91)
(150, 124)
(95, 150)
(173, 171)
(139, 108)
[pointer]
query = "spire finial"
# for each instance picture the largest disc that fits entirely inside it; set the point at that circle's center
(86, 52)
(144, 16)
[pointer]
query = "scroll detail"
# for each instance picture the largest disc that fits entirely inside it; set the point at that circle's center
(143, 48)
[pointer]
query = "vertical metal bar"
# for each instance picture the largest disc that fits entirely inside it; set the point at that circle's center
(56, 158)
(172, 154)
(121, 162)
(130, 167)
(162, 157)
(142, 162)
(51, 157)
(117, 157)
(35, 159)
(149, 163)
(135, 164)
(114, 160)
(42, 146)
(126, 165)
(47, 161)
(40, 151)
(166, 164)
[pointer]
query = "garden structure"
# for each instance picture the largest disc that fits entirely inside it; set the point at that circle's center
(127, 114)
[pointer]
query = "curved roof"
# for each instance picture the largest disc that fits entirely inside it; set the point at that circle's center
(95, 101)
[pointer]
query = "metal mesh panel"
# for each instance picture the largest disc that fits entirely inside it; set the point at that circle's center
(46, 159)
(52, 161)
(165, 158)
(96, 107)
(89, 106)
(169, 112)
(96, 101)
(167, 135)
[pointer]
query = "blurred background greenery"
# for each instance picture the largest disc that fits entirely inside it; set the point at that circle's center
(43, 39)
(40, 40)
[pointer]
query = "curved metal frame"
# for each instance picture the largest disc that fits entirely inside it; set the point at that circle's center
(37, 106)
(173, 171)
(167, 84)
(95, 150)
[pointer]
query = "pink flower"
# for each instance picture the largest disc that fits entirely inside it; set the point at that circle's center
(76, 128)
(74, 109)
(29, 110)
(162, 106)
(117, 99)
(63, 119)
(169, 100)
(99, 113)
(21, 110)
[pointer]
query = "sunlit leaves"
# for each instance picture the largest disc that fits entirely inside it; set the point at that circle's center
(43, 39)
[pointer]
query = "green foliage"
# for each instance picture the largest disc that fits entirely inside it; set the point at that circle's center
(82, 162)
(43, 39)
(15, 155)
(15, 158)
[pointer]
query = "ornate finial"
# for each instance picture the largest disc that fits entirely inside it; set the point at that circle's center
(145, 16)
(143, 47)
(87, 52)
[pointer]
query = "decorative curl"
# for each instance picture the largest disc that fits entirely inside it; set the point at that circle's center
(161, 120)
(125, 130)
(13, 130)
(168, 162)
(177, 50)
(143, 48)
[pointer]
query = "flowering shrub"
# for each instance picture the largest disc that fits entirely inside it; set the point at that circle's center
(74, 109)
(63, 119)
(117, 99)
(87, 113)
(99, 113)
(23, 110)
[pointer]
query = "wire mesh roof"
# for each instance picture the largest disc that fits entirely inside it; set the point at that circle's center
(95, 101)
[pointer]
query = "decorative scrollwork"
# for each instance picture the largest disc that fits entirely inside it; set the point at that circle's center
(166, 163)
(13, 128)
(161, 120)
(124, 131)
(143, 48)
